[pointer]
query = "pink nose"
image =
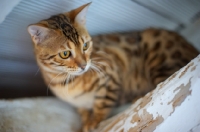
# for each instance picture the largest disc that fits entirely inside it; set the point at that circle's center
(82, 66)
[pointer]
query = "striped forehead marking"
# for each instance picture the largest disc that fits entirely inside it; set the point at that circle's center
(63, 23)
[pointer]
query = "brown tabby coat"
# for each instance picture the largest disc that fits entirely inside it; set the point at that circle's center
(112, 70)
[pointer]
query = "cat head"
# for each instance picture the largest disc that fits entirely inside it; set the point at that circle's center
(62, 43)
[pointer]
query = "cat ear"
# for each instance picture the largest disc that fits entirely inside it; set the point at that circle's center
(80, 18)
(38, 33)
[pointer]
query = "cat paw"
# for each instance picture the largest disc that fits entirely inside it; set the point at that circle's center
(90, 126)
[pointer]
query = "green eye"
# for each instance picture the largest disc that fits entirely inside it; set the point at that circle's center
(85, 46)
(65, 54)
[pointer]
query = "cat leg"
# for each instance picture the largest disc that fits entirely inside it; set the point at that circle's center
(85, 116)
(100, 112)
(105, 100)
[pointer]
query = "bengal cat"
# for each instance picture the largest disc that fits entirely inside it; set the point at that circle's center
(97, 74)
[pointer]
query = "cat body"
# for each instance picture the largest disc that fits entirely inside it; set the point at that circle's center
(96, 74)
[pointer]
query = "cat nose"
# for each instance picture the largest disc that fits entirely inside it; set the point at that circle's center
(82, 66)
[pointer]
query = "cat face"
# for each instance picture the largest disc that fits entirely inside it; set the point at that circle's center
(74, 59)
(62, 43)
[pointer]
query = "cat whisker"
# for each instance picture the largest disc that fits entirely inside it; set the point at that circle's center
(99, 76)
(102, 52)
(69, 77)
(98, 70)
(37, 71)
(64, 79)
(97, 58)
(47, 91)
(54, 78)
(48, 86)
(98, 65)
(93, 68)
(104, 64)
(73, 81)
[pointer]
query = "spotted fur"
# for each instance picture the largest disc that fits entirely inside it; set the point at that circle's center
(116, 68)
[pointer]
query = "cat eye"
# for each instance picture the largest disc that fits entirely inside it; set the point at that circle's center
(85, 46)
(65, 54)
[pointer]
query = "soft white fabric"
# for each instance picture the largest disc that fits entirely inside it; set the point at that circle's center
(37, 115)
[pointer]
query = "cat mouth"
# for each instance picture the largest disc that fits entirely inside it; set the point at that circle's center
(80, 72)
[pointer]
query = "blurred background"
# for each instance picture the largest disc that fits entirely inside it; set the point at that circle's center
(19, 73)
